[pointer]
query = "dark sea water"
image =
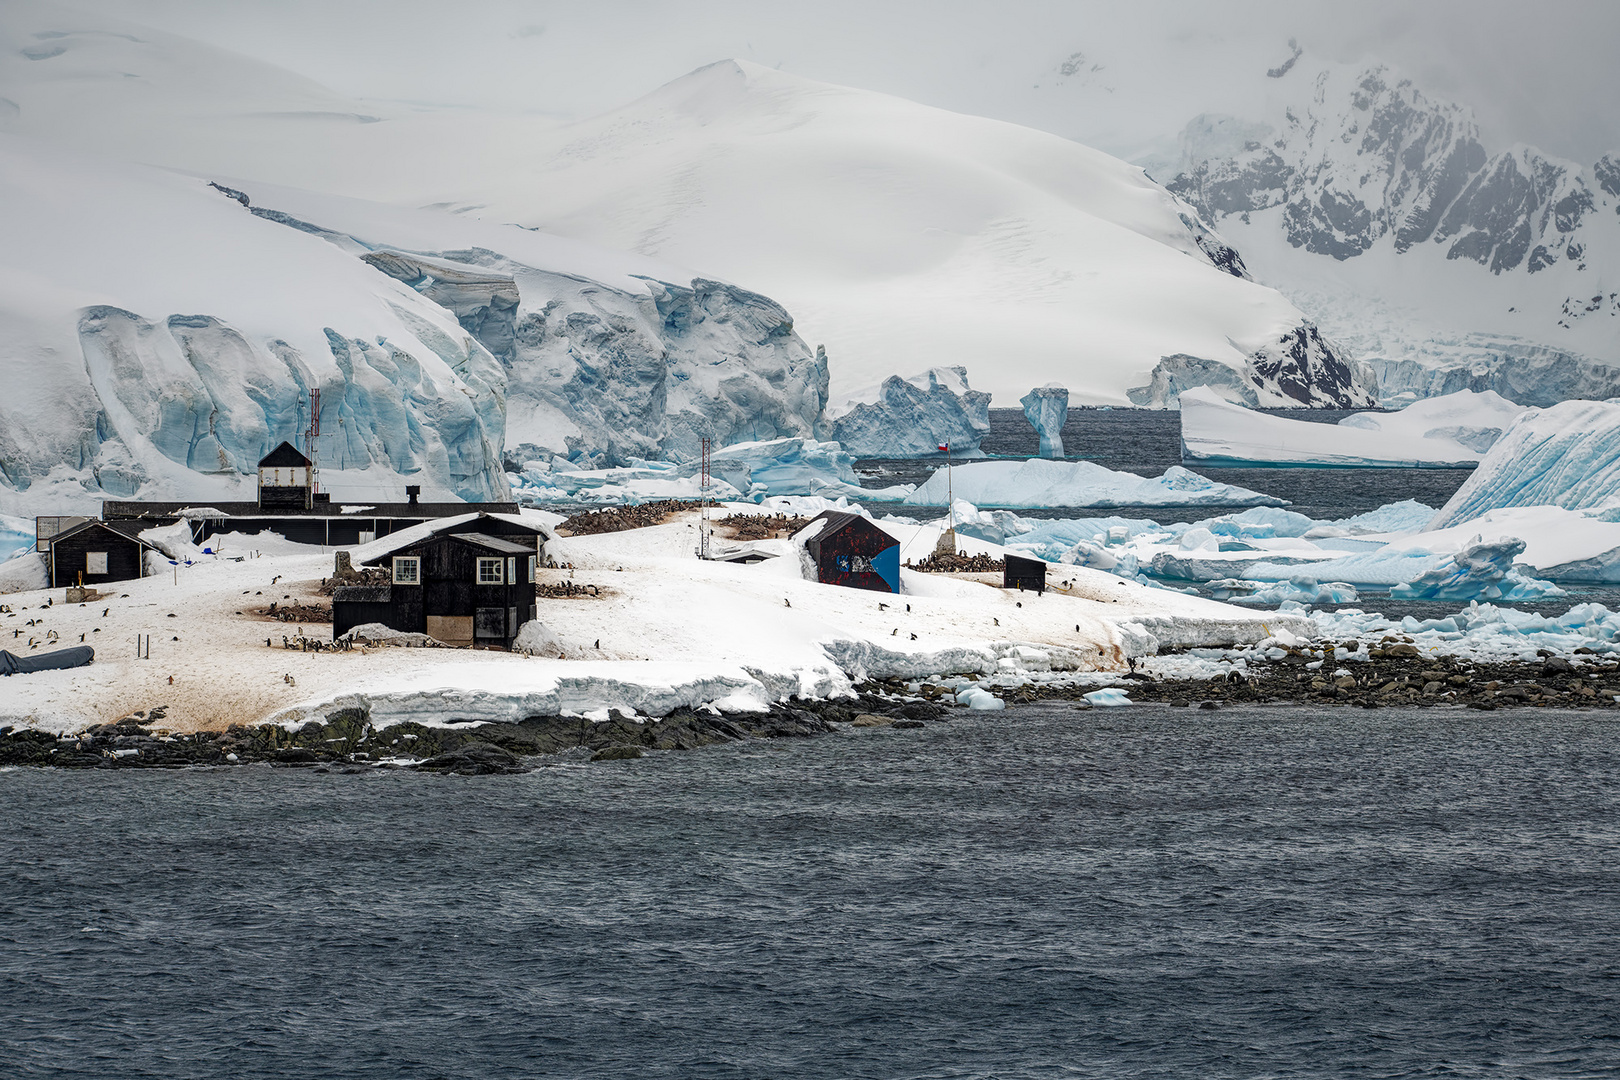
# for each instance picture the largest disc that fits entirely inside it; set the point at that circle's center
(1142, 892)
(1148, 441)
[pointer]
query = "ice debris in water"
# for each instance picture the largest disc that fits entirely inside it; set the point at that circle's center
(1483, 630)
(1108, 696)
(979, 699)
(1300, 589)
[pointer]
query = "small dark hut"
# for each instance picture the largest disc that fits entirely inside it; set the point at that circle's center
(286, 480)
(1021, 573)
(96, 552)
(849, 550)
(465, 587)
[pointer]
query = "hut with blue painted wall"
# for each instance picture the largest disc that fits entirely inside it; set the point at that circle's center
(850, 550)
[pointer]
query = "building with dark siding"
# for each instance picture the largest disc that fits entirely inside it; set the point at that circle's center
(97, 552)
(466, 583)
(849, 550)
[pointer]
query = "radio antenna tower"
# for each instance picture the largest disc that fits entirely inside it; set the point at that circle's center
(703, 483)
(312, 432)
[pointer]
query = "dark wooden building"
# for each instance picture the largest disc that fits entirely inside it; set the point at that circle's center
(96, 552)
(286, 480)
(850, 550)
(1021, 573)
(461, 585)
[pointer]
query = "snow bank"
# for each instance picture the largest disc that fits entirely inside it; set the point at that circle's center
(1078, 483)
(1454, 431)
(1566, 455)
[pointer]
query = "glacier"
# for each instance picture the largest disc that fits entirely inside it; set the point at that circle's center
(1453, 431)
(912, 417)
(1046, 408)
(443, 347)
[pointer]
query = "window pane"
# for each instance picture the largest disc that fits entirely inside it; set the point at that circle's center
(95, 562)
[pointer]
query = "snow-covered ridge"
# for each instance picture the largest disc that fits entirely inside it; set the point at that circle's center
(1360, 195)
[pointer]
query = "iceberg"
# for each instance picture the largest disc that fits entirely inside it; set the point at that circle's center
(1484, 570)
(912, 417)
(1037, 482)
(1566, 455)
(1302, 589)
(1486, 631)
(1454, 431)
(1046, 408)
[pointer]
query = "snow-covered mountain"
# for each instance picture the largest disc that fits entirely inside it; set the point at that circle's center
(1444, 263)
(906, 237)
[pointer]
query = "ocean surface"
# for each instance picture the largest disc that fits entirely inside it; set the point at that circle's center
(1148, 441)
(1142, 892)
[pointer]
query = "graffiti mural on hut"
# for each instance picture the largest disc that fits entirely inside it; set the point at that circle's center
(850, 550)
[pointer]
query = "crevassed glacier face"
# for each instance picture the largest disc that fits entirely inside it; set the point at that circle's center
(618, 375)
(913, 417)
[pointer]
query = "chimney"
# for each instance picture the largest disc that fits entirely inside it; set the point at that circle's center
(413, 493)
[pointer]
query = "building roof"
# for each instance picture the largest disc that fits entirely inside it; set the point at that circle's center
(284, 456)
(363, 594)
(837, 521)
(493, 543)
(374, 553)
(127, 530)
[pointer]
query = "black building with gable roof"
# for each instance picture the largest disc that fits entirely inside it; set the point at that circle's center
(471, 583)
(849, 550)
(97, 552)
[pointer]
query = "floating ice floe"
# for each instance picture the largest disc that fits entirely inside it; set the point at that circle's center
(1454, 431)
(1037, 482)
(1566, 455)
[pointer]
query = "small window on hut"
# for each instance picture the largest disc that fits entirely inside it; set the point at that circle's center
(95, 562)
(533, 561)
(489, 572)
(407, 570)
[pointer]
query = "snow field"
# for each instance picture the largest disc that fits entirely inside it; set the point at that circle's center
(668, 630)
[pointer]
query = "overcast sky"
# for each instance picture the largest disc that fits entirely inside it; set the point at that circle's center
(1543, 72)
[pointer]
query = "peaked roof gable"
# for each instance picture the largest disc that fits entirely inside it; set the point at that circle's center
(284, 456)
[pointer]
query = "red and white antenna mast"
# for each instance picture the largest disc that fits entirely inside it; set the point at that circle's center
(703, 499)
(312, 432)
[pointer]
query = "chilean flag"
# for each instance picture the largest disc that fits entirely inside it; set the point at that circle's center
(944, 447)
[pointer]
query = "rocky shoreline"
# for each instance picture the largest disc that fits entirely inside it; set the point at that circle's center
(347, 741)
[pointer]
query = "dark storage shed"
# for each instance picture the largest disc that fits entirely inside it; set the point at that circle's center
(97, 552)
(462, 588)
(1022, 573)
(286, 480)
(849, 550)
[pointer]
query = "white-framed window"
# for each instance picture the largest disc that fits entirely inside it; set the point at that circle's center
(511, 570)
(489, 572)
(534, 561)
(407, 570)
(95, 562)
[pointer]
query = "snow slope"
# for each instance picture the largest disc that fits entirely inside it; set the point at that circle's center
(905, 237)
(1451, 431)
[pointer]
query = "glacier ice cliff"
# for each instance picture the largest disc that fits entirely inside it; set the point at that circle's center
(1046, 408)
(912, 417)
